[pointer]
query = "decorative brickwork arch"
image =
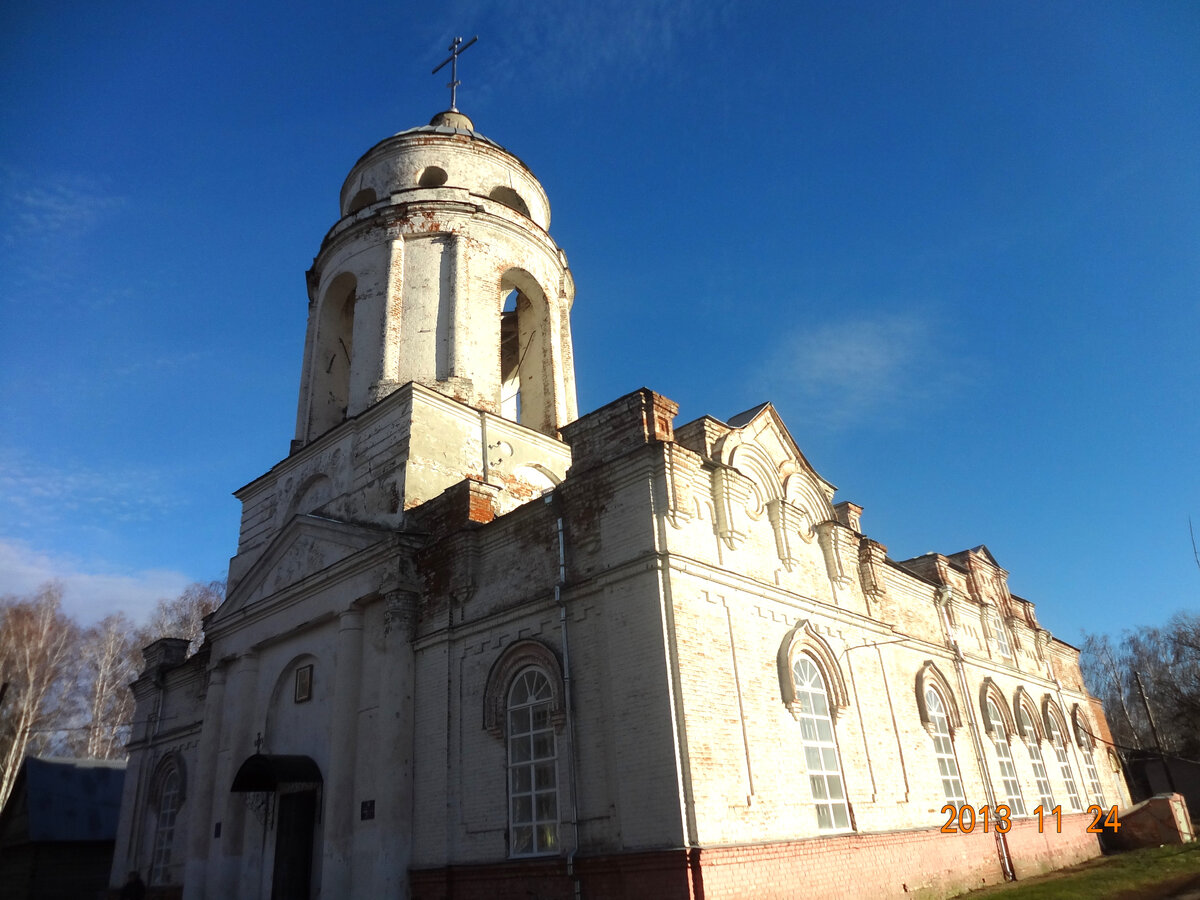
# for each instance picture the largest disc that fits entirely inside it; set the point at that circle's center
(805, 639)
(1006, 727)
(515, 658)
(1053, 719)
(1084, 734)
(1022, 700)
(172, 762)
(930, 676)
(168, 790)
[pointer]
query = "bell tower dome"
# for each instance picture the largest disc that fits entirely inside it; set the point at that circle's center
(440, 271)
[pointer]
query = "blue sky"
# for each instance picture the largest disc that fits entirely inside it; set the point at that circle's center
(957, 244)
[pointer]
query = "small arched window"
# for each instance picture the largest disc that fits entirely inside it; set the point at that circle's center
(1008, 771)
(169, 800)
(1000, 635)
(820, 746)
(943, 748)
(361, 200)
(532, 766)
(1033, 744)
(510, 198)
(431, 177)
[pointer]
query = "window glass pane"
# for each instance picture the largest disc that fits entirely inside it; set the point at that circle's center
(164, 829)
(943, 749)
(820, 746)
(533, 766)
(520, 779)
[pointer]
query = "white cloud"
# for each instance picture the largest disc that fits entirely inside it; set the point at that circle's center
(46, 206)
(45, 220)
(88, 594)
(851, 372)
(566, 45)
(37, 494)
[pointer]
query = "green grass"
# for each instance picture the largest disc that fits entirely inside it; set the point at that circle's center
(1136, 875)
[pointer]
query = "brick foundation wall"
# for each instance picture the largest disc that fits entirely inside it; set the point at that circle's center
(926, 864)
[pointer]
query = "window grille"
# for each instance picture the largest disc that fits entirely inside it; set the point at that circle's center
(820, 747)
(1008, 771)
(532, 766)
(164, 829)
(1025, 723)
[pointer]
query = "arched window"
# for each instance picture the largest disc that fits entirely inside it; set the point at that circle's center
(510, 198)
(527, 381)
(532, 766)
(820, 746)
(1008, 771)
(169, 800)
(1033, 745)
(943, 748)
(999, 635)
(1083, 737)
(333, 356)
(1059, 742)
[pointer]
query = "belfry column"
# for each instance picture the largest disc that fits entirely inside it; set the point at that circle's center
(395, 767)
(339, 794)
(200, 827)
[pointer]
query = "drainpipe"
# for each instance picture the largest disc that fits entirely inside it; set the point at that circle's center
(566, 653)
(1006, 864)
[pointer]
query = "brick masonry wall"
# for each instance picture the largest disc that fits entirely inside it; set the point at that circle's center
(924, 864)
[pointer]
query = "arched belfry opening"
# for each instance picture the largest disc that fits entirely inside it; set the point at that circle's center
(526, 376)
(333, 356)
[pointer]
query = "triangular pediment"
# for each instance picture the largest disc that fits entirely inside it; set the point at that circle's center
(760, 446)
(305, 547)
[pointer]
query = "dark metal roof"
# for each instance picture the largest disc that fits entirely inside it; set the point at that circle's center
(266, 772)
(73, 799)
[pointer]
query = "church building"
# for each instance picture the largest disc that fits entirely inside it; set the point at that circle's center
(477, 645)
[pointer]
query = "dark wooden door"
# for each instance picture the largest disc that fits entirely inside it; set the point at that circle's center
(294, 846)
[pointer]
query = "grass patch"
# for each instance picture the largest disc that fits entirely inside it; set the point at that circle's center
(1135, 875)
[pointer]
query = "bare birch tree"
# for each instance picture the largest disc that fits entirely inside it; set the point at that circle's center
(183, 616)
(1168, 661)
(37, 643)
(108, 654)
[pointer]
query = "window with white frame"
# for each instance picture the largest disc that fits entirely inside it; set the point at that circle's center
(1089, 761)
(532, 766)
(1029, 733)
(164, 828)
(820, 747)
(1008, 771)
(1054, 732)
(943, 749)
(1000, 636)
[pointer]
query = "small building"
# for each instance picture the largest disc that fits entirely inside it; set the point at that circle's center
(58, 827)
(475, 644)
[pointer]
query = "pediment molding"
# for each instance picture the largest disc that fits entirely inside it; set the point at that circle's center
(305, 547)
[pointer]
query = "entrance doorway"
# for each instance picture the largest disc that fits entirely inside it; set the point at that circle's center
(295, 821)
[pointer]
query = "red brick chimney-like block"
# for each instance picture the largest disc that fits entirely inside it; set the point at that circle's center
(632, 421)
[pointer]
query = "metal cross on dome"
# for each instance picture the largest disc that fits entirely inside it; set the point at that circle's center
(455, 49)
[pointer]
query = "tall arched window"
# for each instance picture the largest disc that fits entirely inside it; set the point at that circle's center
(164, 827)
(1033, 745)
(820, 747)
(1086, 742)
(943, 748)
(532, 766)
(1008, 772)
(1054, 732)
(1093, 776)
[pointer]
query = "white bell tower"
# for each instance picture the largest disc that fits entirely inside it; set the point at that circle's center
(440, 271)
